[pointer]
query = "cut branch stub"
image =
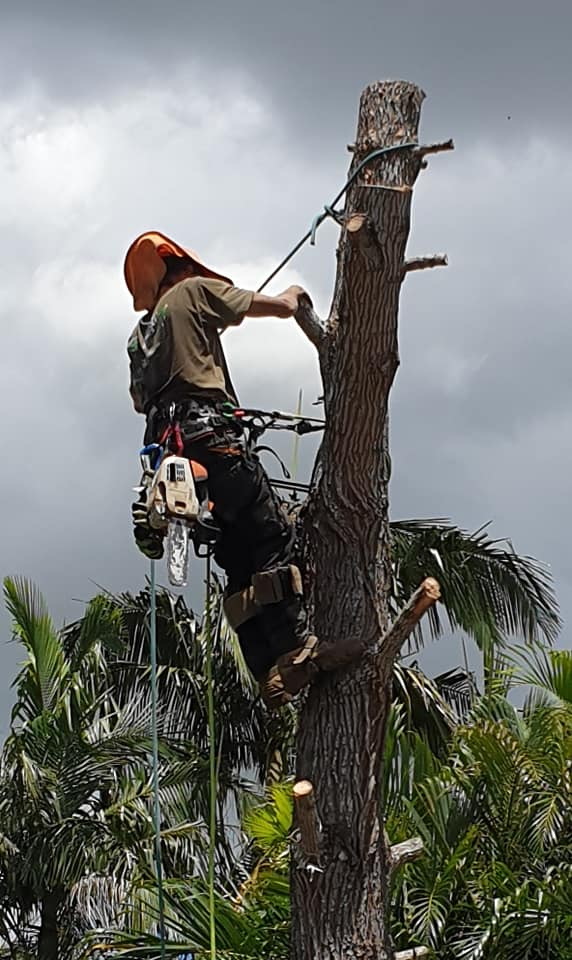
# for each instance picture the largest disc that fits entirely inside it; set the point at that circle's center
(307, 819)
(424, 597)
(361, 235)
(415, 953)
(425, 263)
(441, 147)
(309, 322)
(406, 852)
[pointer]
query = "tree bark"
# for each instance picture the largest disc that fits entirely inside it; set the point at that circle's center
(340, 912)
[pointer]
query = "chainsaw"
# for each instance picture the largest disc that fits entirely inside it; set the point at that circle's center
(175, 492)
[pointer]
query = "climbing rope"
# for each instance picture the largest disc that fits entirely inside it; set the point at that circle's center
(212, 759)
(329, 210)
(155, 751)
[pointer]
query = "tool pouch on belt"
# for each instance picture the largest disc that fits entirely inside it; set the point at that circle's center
(273, 586)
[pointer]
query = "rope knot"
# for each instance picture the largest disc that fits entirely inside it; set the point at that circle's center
(328, 211)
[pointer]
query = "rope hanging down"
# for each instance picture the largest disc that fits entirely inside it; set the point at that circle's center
(155, 748)
(328, 211)
(212, 760)
(330, 208)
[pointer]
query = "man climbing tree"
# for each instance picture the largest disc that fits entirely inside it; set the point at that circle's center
(343, 860)
(180, 381)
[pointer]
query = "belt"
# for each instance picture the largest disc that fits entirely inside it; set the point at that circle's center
(206, 414)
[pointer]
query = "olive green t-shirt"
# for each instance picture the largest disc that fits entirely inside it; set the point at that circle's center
(176, 351)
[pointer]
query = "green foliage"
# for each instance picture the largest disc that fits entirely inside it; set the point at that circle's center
(75, 782)
(251, 922)
(495, 817)
(489, 798)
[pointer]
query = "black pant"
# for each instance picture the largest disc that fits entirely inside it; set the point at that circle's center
(256, 534)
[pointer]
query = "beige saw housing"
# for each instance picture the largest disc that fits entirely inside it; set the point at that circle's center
(172, 493)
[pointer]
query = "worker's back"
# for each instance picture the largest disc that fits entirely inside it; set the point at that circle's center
(175, 351)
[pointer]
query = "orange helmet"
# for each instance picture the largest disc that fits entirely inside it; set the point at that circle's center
(145, 268)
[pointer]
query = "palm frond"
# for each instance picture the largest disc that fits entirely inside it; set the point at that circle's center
(427, 711)
(42, 680)
(488, 590)
(548, 672)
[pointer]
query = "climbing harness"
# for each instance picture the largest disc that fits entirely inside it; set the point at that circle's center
(174, 502)
(257, 421)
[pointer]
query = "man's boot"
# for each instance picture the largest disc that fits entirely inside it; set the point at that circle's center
(298, 668)
(272, 689)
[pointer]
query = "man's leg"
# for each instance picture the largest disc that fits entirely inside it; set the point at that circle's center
(259, 539)
(256, 548)
(231, 489)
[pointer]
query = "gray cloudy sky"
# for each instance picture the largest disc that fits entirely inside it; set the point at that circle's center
(225, 125)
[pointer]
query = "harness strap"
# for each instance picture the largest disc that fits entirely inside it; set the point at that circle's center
(192, 420)
(172, 435)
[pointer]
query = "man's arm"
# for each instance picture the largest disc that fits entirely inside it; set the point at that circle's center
(284, 305)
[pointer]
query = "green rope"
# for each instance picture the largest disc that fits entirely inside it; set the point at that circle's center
(213, 776)
(329, 208)
(212, 760)
(155, 739)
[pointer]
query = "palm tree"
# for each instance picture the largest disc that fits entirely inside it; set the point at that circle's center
(74, 783)
(495, 818)
(94, 677)
(496, 821)
(488, 590)
(246, 735)
(251, 923)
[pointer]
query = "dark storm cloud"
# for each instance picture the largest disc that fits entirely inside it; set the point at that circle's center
(481, 63)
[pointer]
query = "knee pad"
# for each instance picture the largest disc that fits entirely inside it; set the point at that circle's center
(240, 607)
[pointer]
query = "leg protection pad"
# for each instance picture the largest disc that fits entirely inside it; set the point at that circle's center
(240, 607)
(273, 586)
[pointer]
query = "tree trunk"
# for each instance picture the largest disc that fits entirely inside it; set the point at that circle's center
(340, 913)
(48, 938)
